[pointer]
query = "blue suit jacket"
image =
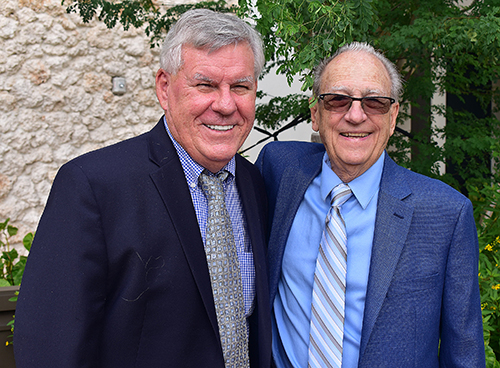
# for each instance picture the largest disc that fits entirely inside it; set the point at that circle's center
(117, 275)
(422, 285)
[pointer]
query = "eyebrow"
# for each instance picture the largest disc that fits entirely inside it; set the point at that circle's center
(245, 79)
(347, 90)
(204, 78)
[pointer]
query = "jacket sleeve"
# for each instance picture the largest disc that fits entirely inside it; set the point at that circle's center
(462, 343)
(61, 301)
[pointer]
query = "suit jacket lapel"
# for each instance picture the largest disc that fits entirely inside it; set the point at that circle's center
(292, 187)
(392, 224)
(170, 181)
(256, 221)
(254, 216)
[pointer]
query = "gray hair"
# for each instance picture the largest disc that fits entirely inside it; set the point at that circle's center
(203, 28)
(396, 80)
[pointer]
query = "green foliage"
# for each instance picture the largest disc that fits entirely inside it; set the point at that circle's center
(440, 46)
(298, 34)
(11, 272)
(457, 50)
(11, 323)
(137, 13)
(11, 264)
(486, 201)
(485, 198)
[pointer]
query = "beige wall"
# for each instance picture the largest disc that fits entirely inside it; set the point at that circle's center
(56, 100)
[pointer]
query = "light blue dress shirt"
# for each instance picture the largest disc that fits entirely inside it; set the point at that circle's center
(292, 305)
(192, 171)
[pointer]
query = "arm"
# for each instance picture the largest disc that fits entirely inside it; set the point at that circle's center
(462, 343)
(61, 302)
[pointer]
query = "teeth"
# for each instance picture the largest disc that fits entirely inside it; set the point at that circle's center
(355, 135)
(220, 127)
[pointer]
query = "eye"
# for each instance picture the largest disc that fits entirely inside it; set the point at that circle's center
(339, 98)
(375, 102)
(205, 87)
(335, 100)
(240, 88)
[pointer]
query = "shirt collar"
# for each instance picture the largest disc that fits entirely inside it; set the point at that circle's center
(364, 187)
(192, 169)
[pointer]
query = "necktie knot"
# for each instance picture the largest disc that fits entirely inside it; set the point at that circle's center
(340, 194)
(212, 184)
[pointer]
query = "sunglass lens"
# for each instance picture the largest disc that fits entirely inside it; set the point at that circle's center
(336, 102)
(376, 105)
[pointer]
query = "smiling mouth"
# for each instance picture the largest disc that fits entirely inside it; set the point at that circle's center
(221, 128)
(355, 135)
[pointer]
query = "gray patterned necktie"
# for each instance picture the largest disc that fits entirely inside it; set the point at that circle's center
(222, 259)
(328, 302)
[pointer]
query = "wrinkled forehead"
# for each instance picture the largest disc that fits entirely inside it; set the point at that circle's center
(356, 72)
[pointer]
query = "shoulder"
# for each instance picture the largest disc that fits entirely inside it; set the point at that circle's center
(153, 144)
(126, 148)
(290, 149)
(117, 163)
(397, 179)
(277, 156)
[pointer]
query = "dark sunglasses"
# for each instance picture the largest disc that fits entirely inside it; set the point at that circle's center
(372, 105)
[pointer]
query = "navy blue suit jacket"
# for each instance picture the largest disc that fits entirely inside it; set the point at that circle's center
(422, 288)
(117, 275)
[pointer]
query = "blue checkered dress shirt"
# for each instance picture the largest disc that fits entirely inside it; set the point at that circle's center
(192, 171)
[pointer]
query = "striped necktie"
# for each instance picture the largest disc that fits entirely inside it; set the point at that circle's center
(223, 265)
(328, 301)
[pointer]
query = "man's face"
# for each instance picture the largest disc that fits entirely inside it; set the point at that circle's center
(210, 103)
(354, 140)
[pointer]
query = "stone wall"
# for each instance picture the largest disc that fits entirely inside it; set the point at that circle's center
(56, 100)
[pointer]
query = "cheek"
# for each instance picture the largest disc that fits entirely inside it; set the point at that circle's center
(327, 125)
(192, 107)
(246, 108)
(389, 129)
(383, 138)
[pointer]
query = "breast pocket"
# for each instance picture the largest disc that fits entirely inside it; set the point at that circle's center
(413, 285)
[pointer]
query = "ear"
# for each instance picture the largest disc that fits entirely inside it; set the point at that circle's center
(162, 83)
(394, 115)
(313, 102)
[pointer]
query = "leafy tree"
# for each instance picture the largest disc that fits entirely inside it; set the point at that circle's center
(441, 46)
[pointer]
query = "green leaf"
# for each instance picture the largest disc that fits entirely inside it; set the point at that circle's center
(11, 230)
(10, 256)
(3, 225)
(18, 271)
(4, 282)
(28, 240)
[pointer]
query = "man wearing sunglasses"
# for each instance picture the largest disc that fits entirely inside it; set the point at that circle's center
(371, 265)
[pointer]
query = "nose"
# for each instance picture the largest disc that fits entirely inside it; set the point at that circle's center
(355, 114)
(224, 102)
